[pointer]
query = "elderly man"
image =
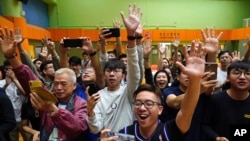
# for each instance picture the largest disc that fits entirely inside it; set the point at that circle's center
(65, 120)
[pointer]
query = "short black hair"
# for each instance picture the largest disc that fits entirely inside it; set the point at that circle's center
(115, 64)
(151, 88)
(244, 64)
(122, 56)
(112, 52)
(37, 59)
(85, 53)
(223, 52)
(44, 64)
(76, 60)
(163, 71)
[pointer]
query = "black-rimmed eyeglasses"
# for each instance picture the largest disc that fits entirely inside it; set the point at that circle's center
(147, 103)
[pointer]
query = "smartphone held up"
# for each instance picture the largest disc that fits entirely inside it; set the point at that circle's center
(112, 32)
(73, 43)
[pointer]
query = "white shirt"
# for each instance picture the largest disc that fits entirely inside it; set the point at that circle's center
(15, 97)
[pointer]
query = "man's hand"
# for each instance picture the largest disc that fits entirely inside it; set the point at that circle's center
(103, 136)
(139, 29)
(87, 45)
(161, 48)
(176, 42)
(7, 42)
(195, 62)
(147, 48)
(221, 139)
(236, 56)
(117, 23)
(36, 136)
(211, 40)
(207, 86)
(39, 104)
(91, 102)
(133, 20)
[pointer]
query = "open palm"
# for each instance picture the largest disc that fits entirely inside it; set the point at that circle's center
(7, 42)
(133, 20)
(195, 61)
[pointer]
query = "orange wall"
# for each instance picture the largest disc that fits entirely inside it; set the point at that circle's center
(28, 31)
(56, 34)
(157, 35)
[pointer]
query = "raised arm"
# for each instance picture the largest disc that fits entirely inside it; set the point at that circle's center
(161, 55)
(247, 54)
(63, 55)
(138, 36)
(13, 78)
(55, 57)
(118, 45)
(195, 66)
(88, 48)
(103, 43)
(8, 46)
(147, 48)
(131, 23)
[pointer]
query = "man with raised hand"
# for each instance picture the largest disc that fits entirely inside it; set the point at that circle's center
(106, 107)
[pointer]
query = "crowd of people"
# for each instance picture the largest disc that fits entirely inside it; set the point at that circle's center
(108, 91)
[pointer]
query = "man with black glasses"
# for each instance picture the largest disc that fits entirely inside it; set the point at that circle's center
(231, 107)
(148, 106)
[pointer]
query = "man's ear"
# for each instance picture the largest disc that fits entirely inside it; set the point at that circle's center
(75, 84)
(160, 110)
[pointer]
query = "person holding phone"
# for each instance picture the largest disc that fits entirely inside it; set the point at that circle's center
(106, 108)
(234, 102)
(54, 124)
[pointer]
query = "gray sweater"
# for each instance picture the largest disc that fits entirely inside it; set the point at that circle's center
(115, 108)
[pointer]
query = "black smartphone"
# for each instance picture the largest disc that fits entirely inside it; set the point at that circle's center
(211, 67)
(92, 88)
(72, 42)
(115, 32)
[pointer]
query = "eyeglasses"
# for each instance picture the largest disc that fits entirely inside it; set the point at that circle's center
(113, 70)
(238, 73)
(148, 104)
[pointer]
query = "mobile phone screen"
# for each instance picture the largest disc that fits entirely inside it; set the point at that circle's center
(72, 42)
(92, 88)
(115, 32)
(211, 67)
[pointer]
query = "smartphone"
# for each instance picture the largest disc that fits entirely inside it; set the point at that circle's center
(211, 67)
(115, 32)
(72, 42)
(92, 88)
(122, 137)
(36, 86)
